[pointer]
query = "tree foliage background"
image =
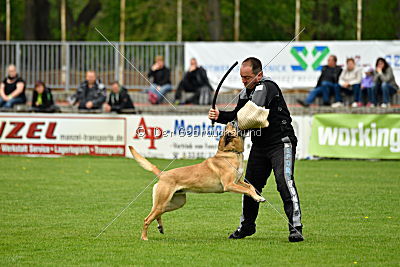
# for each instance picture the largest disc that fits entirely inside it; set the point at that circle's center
(203, 20)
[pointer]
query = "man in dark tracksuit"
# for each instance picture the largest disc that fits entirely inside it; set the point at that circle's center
(273, 149)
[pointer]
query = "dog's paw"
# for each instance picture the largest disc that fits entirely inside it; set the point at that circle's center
(260, 199)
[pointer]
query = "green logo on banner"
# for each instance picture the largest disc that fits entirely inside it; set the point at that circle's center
(300, 53)
(356, 136)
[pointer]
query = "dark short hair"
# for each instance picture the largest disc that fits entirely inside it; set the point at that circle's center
(39, 83)
(334, 58)
(115, 82)
(255, 64)
(350, 59)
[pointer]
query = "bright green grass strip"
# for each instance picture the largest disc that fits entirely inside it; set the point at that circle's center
(51, 210)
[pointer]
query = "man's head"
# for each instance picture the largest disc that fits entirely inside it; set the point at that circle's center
(332, 60)
(251, 72)
(115, 87)
(12, 71)
(39, 87)
(350, 64)
(193, 62)
(91, 76)
(160, 61)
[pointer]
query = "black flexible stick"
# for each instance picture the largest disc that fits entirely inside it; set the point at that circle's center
(219, 87)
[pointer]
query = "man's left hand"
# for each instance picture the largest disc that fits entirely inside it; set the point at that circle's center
(89, 104)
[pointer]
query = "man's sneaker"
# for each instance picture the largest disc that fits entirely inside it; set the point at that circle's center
(370, 105)
(242, 233)
(303, 103)
(354, 105)
(296, 235)
(384, 105)
(153, 98)
(337, 105)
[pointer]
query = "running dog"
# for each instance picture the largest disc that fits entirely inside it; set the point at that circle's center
(218, 174)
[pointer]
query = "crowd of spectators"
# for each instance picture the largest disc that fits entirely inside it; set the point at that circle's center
(376, 83)
(369, 86)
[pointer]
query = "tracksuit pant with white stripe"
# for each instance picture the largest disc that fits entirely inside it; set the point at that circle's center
(262, 161)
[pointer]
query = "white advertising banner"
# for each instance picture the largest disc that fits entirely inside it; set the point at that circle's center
(297, 66)
(191, 136)
(57, 134)
(154, 136)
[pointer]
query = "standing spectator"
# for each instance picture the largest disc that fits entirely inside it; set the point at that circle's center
(195, 81)
(161, 81)
(119, 99)
(349, 83)
(367, 85)
(42, 99)
(91, 94)
(326, 84)
(12, 89)
(384, 82)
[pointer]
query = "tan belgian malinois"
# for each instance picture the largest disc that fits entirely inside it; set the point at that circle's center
(218, 174)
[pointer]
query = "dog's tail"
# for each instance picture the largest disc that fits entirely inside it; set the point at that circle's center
(144, 162)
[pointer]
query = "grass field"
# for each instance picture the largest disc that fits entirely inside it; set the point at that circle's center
(52, 208)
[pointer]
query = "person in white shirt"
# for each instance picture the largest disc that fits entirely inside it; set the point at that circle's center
(349, 83)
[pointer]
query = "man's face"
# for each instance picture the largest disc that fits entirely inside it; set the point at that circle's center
(249, 79)
(160, 63)
(115, 88)
(350, 65)
(331, 62)
(193, 62)
(91, 77)
(12, 72)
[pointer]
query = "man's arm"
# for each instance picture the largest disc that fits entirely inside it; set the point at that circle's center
(18, 90)
(227, 116)
(2, 92)
(101, 98)
(126, 101)
(79, 95)
(341, 79)
(223, 116)
(320, 76)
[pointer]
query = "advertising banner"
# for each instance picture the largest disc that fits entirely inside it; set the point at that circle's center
(62, 134)
(154, 136)
(356, 136)
(189, 136)
(297, 66)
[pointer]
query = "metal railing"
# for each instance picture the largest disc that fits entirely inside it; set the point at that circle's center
(63, 65)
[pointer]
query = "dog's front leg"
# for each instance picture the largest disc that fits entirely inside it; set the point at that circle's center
(230, 186)
(247, 185)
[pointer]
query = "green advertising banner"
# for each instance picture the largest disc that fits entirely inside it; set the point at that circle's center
(363, 136)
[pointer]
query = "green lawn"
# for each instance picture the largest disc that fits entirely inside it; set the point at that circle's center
(52, 208)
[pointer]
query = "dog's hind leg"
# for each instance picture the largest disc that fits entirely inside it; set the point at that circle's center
(177, 201)
(162, 194)
(160, 225)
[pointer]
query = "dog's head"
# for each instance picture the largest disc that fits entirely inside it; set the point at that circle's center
(231, 141)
